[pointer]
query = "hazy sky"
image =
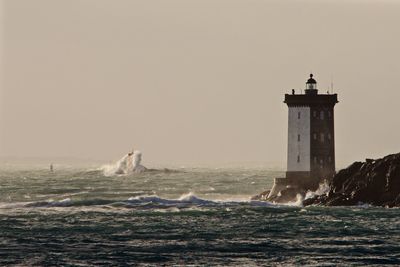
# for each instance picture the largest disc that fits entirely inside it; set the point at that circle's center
(193, 81)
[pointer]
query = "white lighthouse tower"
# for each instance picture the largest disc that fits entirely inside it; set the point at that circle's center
(311, 142)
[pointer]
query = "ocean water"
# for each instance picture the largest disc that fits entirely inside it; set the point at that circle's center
(203, 216)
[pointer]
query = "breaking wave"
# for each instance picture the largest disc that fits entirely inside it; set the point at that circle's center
(189, 198)
(322, 190)
(128, 164)
(147, 202)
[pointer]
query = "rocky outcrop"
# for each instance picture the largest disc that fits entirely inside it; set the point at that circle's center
(374, 182)
(261, 196)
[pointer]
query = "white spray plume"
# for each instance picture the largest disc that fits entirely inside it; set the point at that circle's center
(322, 190)
(128, 164)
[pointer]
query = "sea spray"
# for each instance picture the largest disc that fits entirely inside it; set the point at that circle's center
(322, 190)
(128, 164)
(297, 203)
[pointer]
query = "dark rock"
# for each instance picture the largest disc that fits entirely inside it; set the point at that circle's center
(375, 182)
(261, 196)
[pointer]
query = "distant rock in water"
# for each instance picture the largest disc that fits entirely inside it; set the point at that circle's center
(374, 182)
(128, 164)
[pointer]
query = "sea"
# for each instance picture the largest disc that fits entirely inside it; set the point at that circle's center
(182, 216)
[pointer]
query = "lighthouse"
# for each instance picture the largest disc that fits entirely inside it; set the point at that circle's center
(311, 139)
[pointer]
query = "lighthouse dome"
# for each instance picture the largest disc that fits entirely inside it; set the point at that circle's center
(311, 80)
(311, 85)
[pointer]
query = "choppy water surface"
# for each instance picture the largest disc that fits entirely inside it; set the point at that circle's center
(193, 216)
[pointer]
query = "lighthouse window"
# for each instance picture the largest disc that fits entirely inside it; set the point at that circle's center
(322, 137)
(322, 115)
(298, 115)
(315, 136)
(298, 138)
(329, 136)
(330, 159)
(298, 158)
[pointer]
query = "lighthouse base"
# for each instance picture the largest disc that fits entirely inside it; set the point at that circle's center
(286, 189)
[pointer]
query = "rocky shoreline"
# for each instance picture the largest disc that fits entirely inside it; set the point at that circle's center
(373, 182)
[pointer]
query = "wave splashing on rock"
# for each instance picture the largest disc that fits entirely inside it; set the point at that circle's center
(373, 182)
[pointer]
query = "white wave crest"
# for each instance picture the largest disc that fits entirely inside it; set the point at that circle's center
(153, 202)
(188, 198)
(50, 203)
(297, 203)
(128, 164)
(322, 190)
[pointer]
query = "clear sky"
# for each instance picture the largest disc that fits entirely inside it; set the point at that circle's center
(197, 81)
